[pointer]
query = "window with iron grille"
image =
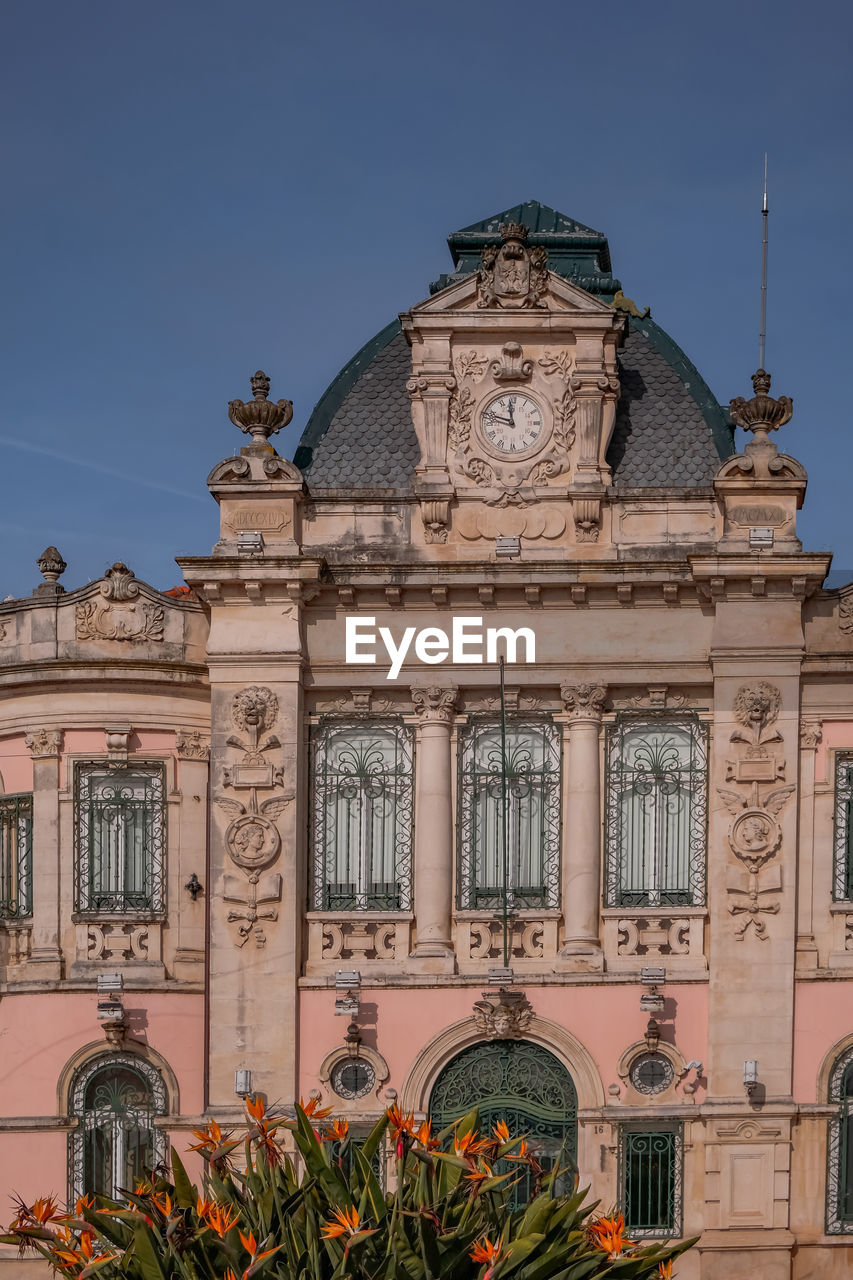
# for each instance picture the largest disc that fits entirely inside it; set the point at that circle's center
(16, 857)
(842, 889)
(656, 815)
(120, 836)
(525, 791)
(839, 1149)
(115, 1101)
(362, 823)
(650, 1180)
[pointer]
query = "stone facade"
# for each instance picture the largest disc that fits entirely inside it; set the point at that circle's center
(298, 864)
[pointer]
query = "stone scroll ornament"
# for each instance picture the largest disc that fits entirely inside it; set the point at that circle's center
(755, 835)
(251, 838)
(118, 615)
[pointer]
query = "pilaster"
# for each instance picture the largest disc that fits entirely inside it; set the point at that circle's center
(45, 747)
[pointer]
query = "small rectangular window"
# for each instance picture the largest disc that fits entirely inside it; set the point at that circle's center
(120, 837)
(16, 857)
(650, 1181)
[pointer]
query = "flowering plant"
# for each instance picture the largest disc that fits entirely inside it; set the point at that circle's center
(314, 1208)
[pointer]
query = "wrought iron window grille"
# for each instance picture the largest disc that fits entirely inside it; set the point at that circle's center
(362, 789)
(533, 813)
(16, 857)
(651, 1176)
(119, 837)
(656, 810)
(115, 1101)
(839, 1149)
(842, 880)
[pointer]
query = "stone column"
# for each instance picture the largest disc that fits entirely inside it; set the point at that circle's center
(581, 849)
(433, 853)
(45, 746)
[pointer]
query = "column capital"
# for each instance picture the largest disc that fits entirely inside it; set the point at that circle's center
(44, 742)
(434, 703)
(584, 701)
(811, 732)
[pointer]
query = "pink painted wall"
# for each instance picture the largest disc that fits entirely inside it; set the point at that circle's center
(40, 1033)
(823, 1014)
(606, 1023)
(16, 764)
(837, 734)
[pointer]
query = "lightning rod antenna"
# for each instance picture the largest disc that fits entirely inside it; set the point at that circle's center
(762, 339)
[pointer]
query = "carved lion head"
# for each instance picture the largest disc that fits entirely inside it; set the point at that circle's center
(757, 705)
(254, 708)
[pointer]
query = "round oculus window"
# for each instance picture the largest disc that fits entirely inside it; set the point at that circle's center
(651, 1073)
(352, 1077)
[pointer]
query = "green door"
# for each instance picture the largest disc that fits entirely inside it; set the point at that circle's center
(517, 1082)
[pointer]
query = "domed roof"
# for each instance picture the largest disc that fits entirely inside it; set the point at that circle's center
(669, 428)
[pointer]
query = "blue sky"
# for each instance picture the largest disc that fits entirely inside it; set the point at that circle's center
(196, 189)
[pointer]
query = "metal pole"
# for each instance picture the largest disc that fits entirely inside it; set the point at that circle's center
(763, 335)
(505, 824)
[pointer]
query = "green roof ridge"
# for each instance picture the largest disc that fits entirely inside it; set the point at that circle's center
(333, 397)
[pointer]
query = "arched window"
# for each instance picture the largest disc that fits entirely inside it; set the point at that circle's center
(839, 1164)
(517, 1082)
(115, 1100)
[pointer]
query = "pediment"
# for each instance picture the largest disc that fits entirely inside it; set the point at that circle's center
(559, 295)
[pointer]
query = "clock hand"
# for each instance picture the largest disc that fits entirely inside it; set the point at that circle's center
(511, 407)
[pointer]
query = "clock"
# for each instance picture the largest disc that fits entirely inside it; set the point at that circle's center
(512, 422)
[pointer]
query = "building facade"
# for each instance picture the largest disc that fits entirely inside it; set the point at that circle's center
(500, 752)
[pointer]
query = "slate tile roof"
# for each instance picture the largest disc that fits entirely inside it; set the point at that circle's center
(662, 434)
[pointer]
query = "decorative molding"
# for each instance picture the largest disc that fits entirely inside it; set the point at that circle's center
(811, 734)
(251, 838)
(434, 703)
(118, 740)
(190, 745)
(755, 834)
(116, 943)
(511, 275)
(435, 513)
(845, 614)
(359, 702)
(119, 619)
(503, 1015)
(512, 367)
(42, 743)
(587, 517)
(656, 698)
(654, 936)
(359, 940)
(584, 701)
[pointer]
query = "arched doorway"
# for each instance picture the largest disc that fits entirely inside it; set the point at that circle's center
(517, 1082)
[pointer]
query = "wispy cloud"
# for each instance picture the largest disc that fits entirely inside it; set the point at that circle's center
(72, 461)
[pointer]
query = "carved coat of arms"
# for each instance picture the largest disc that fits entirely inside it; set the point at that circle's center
(512, 275)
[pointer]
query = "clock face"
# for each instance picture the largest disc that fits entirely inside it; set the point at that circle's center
(512, 422)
